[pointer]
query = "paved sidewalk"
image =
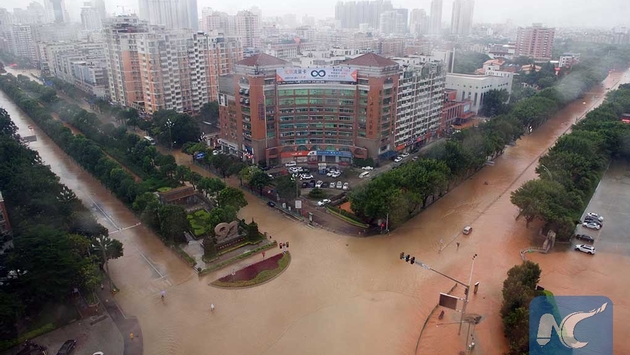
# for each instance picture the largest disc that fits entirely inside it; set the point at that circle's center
(126, 325)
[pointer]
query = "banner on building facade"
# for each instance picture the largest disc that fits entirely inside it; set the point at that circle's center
(345, 74)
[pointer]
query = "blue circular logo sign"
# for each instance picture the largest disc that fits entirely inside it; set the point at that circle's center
(318, 73)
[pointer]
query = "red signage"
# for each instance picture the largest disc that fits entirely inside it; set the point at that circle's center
(294, 154)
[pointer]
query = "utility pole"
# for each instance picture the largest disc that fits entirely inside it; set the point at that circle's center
(467, 296)
(408, 258)
(169, 124)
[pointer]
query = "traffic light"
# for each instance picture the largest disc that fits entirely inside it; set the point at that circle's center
(407, 258)
(402, 255)
(413, 260)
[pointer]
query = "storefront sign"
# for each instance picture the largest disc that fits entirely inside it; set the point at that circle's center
(344, 74)
(330, 153)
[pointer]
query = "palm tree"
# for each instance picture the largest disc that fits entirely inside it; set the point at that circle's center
(110, 249)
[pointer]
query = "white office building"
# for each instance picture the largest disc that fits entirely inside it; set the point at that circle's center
(474, 87)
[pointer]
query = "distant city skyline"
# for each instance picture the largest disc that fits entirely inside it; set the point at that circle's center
(570, 13)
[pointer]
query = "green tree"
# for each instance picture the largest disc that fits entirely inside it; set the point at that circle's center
(259, 180)
(546, 200)
(246, 174)
(46, 265)
(210, 186)
(209, 112)
(173, 223)
(231, 197)
(467, 62)
(286, 187)
(518, 291)
(317, 193)
(494, 103)
(107, 248)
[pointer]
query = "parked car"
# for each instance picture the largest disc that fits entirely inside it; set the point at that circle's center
(339, 184)
(367, 168)
(294, 169)
(311, 184)
(323, 202)
(595, 215)
(290, 163)
(364, 174)
(346, 186)
(304, 184)
(319, 184)
(467, 230)
(584, 237)
(398, 159)
(271, 204)
(589, 249)
(307, 176)
(593, 220)
(414, 158)
(404, 155)
(67, 348)
(591, 225)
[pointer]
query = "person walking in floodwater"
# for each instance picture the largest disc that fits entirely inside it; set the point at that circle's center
(163, 294)
(212, 307)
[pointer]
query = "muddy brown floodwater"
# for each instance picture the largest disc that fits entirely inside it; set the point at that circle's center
(344, 295)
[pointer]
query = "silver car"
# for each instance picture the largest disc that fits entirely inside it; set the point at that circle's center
(339, 184)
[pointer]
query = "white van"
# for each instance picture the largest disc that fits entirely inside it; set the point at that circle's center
(150, 140)
(290, 163)
(364, 174)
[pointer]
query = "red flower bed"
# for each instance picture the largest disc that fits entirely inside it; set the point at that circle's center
(252, 271)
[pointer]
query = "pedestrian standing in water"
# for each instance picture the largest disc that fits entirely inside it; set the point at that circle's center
(457, 245)
(212, 307)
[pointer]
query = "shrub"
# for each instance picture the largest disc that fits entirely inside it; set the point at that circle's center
(317, 193)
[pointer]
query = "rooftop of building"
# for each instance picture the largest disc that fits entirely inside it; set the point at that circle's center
(261, 60)
(370, 60)
(470, 76)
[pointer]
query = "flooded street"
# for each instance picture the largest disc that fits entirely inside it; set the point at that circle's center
(345, 295)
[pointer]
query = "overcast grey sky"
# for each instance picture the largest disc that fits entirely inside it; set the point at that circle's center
(600, 13)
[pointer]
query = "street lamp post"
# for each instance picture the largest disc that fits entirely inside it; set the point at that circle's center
(169, 124)
(467, 286)
(548, 172)
(467, 296)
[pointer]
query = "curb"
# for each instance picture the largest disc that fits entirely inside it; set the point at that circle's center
(427, 321)
(258, 284)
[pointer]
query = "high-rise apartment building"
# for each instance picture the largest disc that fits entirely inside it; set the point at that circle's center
(217, 21)
(56, 10)
(174, 14)
(91, 17)
(436, 17)
(23, 41)
(173, 70)
(461, 19)
(275, 112)
(223, 54)
(392, 22)
(351, 14)
(419, 102)
(248, 27)
(535, 42)
(155, 68)
(100, 6)
(419, 22)
(122, 36)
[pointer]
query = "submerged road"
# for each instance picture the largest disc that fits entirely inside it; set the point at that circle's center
(341, 295)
